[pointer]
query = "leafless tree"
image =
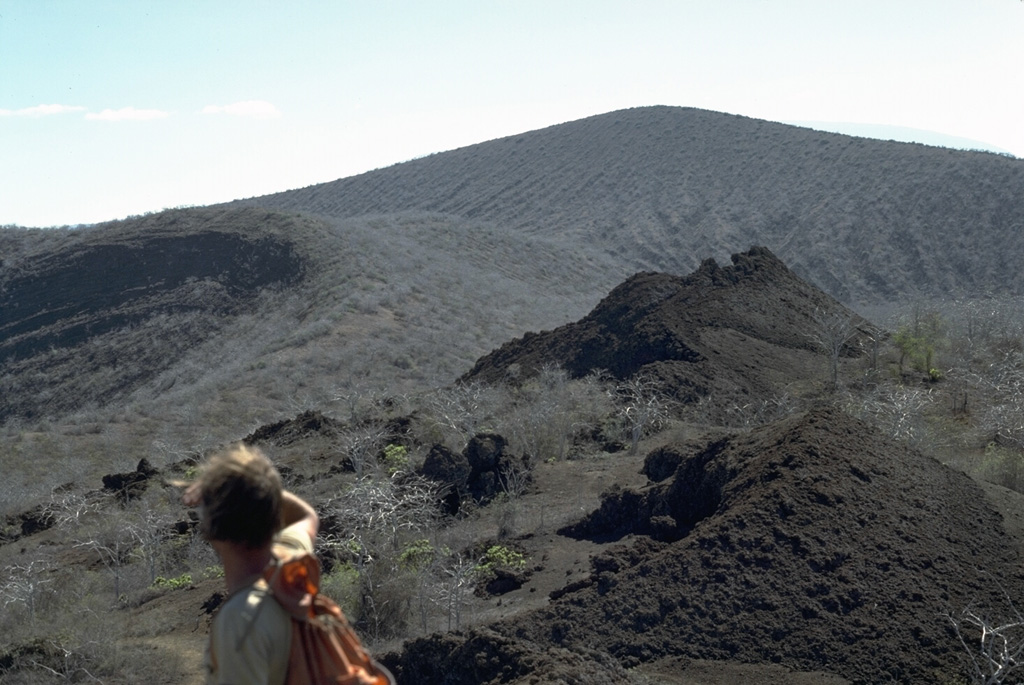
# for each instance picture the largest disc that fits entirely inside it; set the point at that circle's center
(560, 411)
(71, 509)
(526, 426)
(112, 544)
(996, 649)
(895, 409)
(1003, 413)
(70, 665)
(831, 331)
(459, 576)
(362, 445)
(24, 584)
(643, 407)
(377, 515)
(514, 479)
(739, 411)
(385, 507)
(358, 397)
(549, 410)
(460, 410)
(148, 525)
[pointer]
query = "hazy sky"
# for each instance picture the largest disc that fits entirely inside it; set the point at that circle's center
(117, 107)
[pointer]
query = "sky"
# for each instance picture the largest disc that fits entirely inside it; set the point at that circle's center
(110, 108)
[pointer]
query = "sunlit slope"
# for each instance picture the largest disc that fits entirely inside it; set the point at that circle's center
(663, 188)
(206, 306)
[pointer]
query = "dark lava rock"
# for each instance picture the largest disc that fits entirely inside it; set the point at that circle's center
(813, 542)
(451, 469)
(130, 485)
(480, 472)
(481, 656)
(307, 424)
(735, 329)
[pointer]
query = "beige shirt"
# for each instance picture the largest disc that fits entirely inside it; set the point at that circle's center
(251, 634)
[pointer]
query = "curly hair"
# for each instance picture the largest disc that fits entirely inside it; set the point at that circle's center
(241, 497)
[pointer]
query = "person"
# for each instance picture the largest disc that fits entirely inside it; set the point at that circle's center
(245, 514)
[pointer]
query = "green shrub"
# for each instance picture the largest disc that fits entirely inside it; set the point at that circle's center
(396, 458)
(342, 585)
(417, 554)
(213, 572)
(500, 556)
(182, 581)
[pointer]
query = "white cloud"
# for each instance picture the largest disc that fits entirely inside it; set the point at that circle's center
(127, 114)
(39, 111)
(255, 109)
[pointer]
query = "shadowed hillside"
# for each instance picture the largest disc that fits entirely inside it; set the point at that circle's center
(749, 328)
(185, 307)
(100, 313)
(662, 188)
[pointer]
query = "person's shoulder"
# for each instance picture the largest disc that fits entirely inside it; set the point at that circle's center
(252, 608)
(295, 538)
(244, 602)
(251, 615)
(249, 597)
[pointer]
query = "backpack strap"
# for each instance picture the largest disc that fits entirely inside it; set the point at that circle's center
(294, 581)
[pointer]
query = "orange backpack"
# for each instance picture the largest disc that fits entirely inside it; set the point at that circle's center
(324, 650)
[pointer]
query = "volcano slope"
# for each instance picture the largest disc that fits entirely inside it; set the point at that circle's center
(660, 188)
(813, 543)
(748, 329)
(101, 311)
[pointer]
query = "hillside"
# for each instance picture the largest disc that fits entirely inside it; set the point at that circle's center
(108, 310)
(662, 188)
(813, 539)
(749, 329)
(411, 273)
(205, 322)
(812, 544)
(809, 549)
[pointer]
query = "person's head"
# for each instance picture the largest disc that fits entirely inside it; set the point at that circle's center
(241, 497)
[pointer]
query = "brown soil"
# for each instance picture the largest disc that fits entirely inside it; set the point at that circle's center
(813, 546)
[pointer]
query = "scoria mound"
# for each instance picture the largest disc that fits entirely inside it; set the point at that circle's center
(814, 543)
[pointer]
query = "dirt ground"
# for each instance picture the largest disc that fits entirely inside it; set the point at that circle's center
(810, 549)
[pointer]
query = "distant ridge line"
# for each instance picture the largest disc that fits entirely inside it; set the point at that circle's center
(661, 188)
